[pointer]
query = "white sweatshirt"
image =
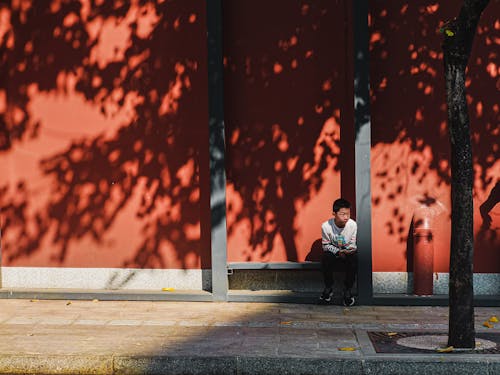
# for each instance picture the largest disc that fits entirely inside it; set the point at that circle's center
(334, 239)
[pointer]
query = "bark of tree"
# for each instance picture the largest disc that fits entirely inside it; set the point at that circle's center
(458, 37)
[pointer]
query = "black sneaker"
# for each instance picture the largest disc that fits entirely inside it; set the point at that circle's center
(349, 300)
(326, 296)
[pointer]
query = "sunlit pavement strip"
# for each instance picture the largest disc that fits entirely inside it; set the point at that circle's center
(221, 338)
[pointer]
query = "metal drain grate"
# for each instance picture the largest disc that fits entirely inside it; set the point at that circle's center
(385, 343)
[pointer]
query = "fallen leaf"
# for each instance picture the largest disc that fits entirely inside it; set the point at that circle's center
(347, 349)
(68, 303)
(168, 289)
(448, 349)
(34, 300)
(95, 300)
(493, 319)
(286, 322)
(487, 324)
(30, 334)
(392, 333)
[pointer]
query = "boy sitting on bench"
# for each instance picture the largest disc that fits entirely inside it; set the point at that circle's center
(338, 239)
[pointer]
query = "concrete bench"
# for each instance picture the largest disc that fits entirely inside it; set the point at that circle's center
(231, 266)
(301, 277)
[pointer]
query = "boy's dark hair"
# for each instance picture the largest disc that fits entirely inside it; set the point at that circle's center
(341, 203)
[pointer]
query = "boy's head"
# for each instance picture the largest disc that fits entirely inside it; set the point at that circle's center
(341, 212)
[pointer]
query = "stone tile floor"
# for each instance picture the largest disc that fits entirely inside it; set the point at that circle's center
(146, 329)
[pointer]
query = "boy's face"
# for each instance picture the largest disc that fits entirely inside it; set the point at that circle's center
(341, 217)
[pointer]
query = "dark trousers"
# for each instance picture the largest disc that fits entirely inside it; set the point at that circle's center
(348, 263)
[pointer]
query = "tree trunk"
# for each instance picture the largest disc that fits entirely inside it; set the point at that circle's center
(459, 35)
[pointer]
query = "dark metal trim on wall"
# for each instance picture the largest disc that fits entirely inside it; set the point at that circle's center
(217, 150)
(362, 127)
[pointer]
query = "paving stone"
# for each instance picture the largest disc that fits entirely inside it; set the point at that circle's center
(91, 322)
(23, 320)
(56, 321)
(419, 366)
(298, 366)
(158, 323)
(81, 364)
(175, 365)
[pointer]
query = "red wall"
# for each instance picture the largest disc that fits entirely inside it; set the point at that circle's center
(410, 154)
(103, 134)
(104, 137)
(285, 91)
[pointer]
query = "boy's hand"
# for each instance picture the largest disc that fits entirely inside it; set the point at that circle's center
(344, 252)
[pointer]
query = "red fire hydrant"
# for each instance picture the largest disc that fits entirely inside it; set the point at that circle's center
(423, 251)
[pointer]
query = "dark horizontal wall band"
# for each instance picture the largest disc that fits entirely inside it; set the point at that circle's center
(434, 300)
(106, 295)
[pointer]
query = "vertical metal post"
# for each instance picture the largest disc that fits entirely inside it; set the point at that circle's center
(217, 150)
(362, 147)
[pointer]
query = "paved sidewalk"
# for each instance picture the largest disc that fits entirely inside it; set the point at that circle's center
(125, 337)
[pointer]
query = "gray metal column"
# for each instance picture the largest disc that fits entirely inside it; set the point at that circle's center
(217, 150)
(362, 147)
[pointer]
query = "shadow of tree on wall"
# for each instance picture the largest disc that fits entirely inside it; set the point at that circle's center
(285, 86)
(118, 55)
(409, 131)
(284, 93)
